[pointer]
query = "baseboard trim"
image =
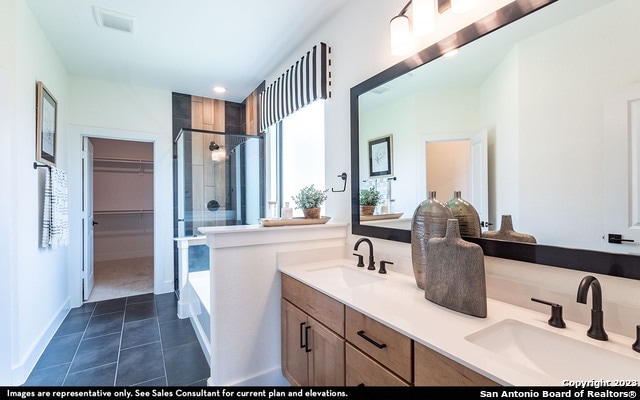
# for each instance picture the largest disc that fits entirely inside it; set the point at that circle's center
(20, 373)
(272, 377)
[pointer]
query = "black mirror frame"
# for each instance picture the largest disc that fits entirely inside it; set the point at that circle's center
(614, 264)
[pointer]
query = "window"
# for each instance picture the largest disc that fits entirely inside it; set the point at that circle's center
(295, 147)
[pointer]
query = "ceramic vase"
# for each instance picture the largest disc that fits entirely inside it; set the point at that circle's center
(507, 232)
(429, 221)
(467, 216)
(455, 276)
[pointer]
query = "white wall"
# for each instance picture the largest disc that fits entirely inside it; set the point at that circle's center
(364, 52)
(40, 285)
(37, 278)
(7, 53)
(568, 142)
(358, 35)
(115, 111)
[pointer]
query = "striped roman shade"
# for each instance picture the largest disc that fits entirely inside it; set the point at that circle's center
(306, 81)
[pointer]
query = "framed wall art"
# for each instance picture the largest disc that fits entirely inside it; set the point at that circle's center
(381, 157)
(46, 125)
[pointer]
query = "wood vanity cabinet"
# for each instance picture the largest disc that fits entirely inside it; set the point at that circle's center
(312, 344)
(376, 354)
(434, 369)
(325, 343)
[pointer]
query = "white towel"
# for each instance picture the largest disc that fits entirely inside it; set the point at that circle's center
(55, 219)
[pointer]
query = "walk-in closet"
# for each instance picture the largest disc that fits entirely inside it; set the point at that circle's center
(123, 218)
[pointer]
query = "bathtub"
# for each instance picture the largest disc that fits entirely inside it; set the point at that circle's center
(194, 301)
(198, 286)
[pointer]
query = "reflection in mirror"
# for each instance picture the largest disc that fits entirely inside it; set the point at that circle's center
(536, 86)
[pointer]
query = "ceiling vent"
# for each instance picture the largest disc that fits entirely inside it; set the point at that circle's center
(113, 20)
(381, 89)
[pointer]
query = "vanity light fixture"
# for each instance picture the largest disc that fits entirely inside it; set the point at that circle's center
(422, 21)
(401, 39)
(423, 14)
(462, 6)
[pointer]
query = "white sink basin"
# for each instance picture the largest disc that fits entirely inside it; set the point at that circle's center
(345, 275)
(553, 354)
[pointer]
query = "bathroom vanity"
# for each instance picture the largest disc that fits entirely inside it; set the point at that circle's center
(325, 342)
(344, 325)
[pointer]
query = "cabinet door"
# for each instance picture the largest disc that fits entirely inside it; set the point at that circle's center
(326, 358)
(362, 370)
(434, 369)
(294, 355)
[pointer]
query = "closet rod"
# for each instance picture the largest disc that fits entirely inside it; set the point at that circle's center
(114, 212)
(123, 160)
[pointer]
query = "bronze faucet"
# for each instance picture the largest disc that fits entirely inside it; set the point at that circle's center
(596, 331)
(372, 264)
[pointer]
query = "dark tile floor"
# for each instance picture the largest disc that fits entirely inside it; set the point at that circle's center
(136, 340)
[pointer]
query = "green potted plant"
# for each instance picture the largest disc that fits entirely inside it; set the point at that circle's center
(309, 199)
(369, 199)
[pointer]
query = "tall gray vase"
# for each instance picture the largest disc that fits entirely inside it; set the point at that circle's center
(466, 214)
(455, 276)
(429, 221)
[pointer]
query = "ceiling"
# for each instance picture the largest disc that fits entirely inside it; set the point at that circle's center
(185, 46)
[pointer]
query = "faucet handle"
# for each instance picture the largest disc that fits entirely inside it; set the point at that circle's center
(383, 265)
(556, 313)
(360, 260)
(636, 345)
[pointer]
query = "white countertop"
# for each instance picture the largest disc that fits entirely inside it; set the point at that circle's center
(397, 302)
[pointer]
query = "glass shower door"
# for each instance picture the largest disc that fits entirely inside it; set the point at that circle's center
(220, 180)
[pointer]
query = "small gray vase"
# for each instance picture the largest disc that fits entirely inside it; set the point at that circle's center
(506, 232)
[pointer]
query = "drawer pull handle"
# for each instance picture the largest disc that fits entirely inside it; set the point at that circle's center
(302, 345)
(306, 339)
(373, 342)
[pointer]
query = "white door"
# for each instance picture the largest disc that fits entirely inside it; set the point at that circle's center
(622, 169)
(87, 218)
(478, 167)
(480, 174)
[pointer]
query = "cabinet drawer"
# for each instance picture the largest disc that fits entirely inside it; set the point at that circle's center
(385, 345)
(362, 370)
(323, 308)
(434, 369)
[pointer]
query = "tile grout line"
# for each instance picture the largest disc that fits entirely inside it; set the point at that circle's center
(84, 332)
(124, 315)
(164, 362)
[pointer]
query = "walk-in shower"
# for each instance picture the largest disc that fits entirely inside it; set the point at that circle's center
(220, 180)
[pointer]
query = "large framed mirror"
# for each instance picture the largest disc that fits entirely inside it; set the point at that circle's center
(537, 76)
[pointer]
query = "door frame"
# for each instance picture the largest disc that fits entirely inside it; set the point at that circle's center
(162, 204)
